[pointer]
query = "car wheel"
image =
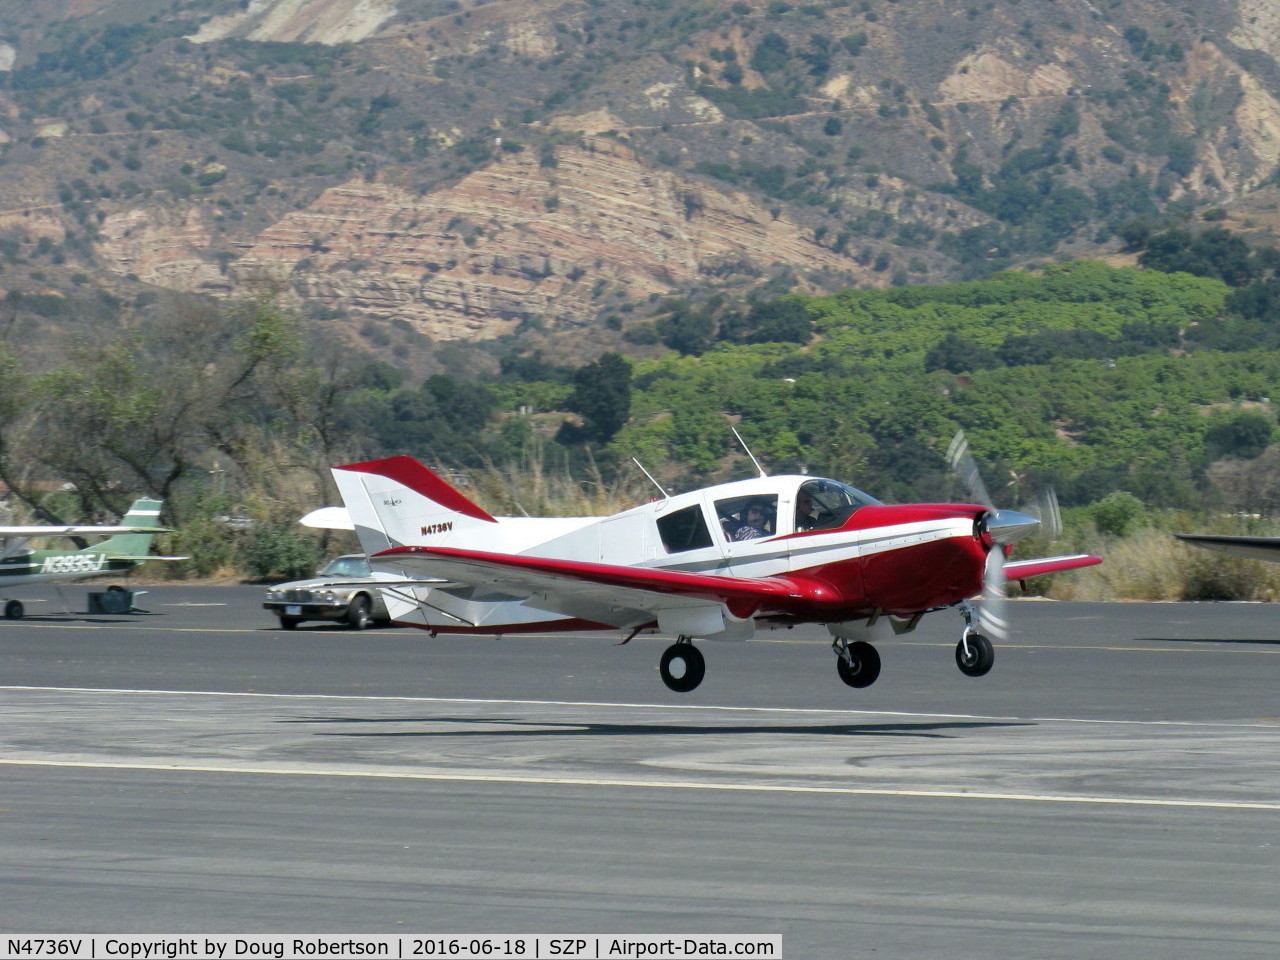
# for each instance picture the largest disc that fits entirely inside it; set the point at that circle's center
(289, 623)
(358, 613)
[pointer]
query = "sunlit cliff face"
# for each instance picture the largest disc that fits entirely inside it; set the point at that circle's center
(301, 21)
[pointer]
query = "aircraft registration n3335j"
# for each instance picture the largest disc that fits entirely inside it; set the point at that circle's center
(718, 563)
(128, 545)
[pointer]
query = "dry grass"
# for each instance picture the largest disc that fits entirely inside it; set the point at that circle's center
(530, 488)
(1154, 565)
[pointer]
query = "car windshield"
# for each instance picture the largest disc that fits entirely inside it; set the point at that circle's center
(347, 567)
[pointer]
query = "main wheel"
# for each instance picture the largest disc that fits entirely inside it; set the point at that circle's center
(864, 665)
(979, 658)
(13, 610)
(358, 613)
(682, 667)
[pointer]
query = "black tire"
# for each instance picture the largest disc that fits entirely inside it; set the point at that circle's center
(289, 623)
(687, 661)
(358, 613)
(981, 655)
(13, 610)
(864, 669)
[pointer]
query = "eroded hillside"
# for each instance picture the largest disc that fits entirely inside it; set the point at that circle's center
(473, 168)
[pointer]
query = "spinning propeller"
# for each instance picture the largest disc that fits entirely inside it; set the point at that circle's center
(1000, 527)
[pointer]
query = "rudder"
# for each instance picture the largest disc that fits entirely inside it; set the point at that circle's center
(145, 512)
(398, 502)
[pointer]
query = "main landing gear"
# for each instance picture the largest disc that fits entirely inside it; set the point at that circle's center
(858, 663)
(974, 653)
(682, 666)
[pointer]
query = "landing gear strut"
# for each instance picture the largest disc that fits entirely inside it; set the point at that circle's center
(858, 663)
(974, 653)
(682, 666)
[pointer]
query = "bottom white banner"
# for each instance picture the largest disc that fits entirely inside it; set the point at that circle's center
(503, 947)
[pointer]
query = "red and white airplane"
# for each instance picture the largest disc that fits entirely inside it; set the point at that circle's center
(716, 564)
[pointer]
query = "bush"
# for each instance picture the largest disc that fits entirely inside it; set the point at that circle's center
(280, 553)
(209, 547)
(1119, 514)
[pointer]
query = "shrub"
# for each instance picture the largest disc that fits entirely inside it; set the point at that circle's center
(276, 552)
(1119, 514)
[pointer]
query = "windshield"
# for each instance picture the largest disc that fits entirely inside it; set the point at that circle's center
(347, 567)
(823, 504)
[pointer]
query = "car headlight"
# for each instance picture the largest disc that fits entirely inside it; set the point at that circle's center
(274, 595)
(327, 596)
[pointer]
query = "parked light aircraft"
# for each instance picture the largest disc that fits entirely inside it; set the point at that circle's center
(718, 564)
(1251, 548)
(127, 546)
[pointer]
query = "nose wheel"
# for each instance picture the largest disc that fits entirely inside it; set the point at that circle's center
(975, 655)
(682, 666)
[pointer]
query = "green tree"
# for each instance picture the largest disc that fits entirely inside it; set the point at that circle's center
(1241, 436)
(602, 398)
(687, 329)
(956, 354)
(771, 53)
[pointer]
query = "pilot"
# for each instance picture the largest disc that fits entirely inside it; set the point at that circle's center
(754, 519)
(806, 516)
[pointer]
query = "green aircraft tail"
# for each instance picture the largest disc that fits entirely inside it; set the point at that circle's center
(143, 513)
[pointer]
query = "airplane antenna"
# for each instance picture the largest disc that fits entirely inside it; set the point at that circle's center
(759, 468)
(665, 495)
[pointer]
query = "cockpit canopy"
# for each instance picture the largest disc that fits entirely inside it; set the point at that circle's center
(758, 510)
(824, 504)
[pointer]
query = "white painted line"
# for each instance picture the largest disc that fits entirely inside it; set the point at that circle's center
(656, 785)
(1264, 724)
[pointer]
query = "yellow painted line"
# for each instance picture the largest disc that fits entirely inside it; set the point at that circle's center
(657, 785)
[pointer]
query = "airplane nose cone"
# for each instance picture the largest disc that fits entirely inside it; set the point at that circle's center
(1007, 526)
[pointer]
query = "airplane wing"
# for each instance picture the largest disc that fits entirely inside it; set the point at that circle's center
(1253, 548)
(1025, 569)
(573, 585)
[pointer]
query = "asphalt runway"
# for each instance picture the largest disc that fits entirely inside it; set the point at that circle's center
(1111, 789)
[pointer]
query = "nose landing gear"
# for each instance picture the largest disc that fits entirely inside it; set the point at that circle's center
(974, 653)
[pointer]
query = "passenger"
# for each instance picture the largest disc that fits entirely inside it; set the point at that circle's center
(755, 518)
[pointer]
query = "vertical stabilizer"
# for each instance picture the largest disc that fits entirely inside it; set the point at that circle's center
(143, 513)
(399, 502)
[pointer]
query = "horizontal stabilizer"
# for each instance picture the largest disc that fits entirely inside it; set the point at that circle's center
(75, 530)
(328, 518)
(1252, 548)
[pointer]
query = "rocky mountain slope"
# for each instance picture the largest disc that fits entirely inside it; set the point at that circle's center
(459, 170)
